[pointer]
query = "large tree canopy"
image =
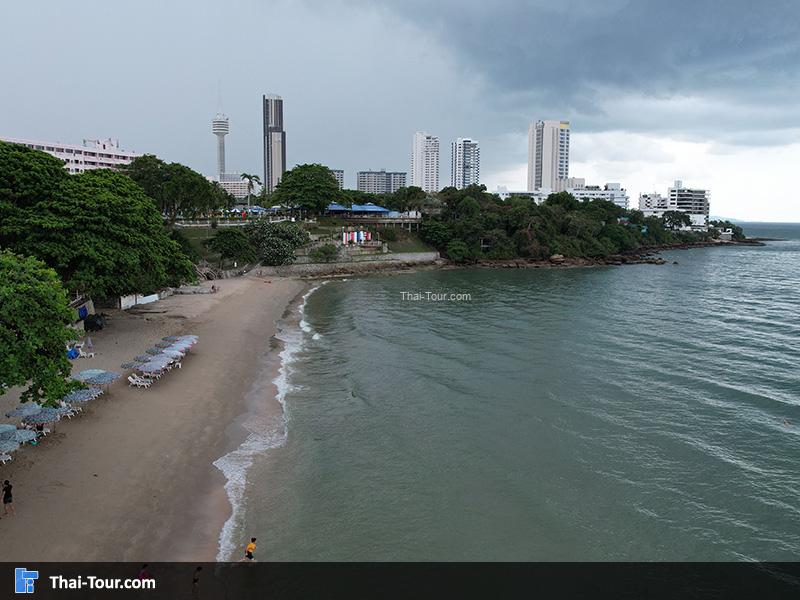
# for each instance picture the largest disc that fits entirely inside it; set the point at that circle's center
(276, 242)
(98, 230)
(33, 331)
(176, 188)
(307, 187)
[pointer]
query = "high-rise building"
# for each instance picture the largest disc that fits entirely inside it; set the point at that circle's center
(465, 163)
(220, 128)
(380, 182)
(274, 142)
(548, 154)
(425, 162)
(93, 154)
(234, 185)
(338, 174)
(691, 201)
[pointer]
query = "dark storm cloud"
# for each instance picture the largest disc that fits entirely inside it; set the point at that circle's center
(583, 58)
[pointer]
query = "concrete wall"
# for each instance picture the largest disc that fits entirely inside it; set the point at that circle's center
(357, 263)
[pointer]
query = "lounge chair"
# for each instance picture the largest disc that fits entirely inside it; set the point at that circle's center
(139, 382)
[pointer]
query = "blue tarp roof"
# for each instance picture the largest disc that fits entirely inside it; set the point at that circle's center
(369, 207)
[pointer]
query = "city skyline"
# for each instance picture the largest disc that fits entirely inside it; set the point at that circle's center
(678, 108)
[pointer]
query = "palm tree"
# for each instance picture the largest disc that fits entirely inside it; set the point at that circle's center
(252, 181)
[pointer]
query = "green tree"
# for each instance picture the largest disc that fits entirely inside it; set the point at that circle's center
(458, 251)
(252, 181)
(98, 230)
(276, 243)
(231, 243)
(675, 219)
(175, 188)
(309, 187)
(34, 313)
(325, 253)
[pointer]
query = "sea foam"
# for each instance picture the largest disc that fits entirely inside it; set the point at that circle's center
(263, 433)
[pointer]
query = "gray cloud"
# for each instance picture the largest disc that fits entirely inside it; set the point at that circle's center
(582, 59)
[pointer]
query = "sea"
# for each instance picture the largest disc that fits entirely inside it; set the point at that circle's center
(642, 412)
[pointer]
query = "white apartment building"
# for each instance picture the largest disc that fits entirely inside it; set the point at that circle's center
(380, 182)
(693, 201)
(338, 175)
(548, 154)
(93, 154)
(612, 192)
(425, 162)
(465, 163)
(235, 185)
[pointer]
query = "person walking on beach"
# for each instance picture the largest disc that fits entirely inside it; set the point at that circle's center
(8, 506)
(196, 582)
(250, 549)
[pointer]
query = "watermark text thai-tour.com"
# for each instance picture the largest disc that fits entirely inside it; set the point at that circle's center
(435, 297)
(27, 581)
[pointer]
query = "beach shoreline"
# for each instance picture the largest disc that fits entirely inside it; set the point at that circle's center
(133, 479)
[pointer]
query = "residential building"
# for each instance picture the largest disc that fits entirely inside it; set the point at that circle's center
(612, 192)
(548, 154)
(338, 174)
(465, 163)
(234, 185)
(380, 182)
(693, 201)
(425, 162)
(274, 141)
(220, 128)
(93, 154)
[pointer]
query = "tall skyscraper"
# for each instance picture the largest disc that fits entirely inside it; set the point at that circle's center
(425, 162)
(338, 175)
(274, 142)
(380, 182)
(465, 163)
(220, 128)
(548, 154)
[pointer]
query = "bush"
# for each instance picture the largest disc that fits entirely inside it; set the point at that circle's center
(458, 251)
(325, 253)
(388, 235)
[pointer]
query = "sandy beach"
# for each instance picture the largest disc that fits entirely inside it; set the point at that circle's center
(132, 478)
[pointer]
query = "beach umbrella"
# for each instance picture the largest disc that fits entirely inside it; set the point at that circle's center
(174, 354)
(82, 395)
(142, 358)
(153, 351)
(88, 374)
(170, 338)
(163, 344)
(8, 445)
(130, 365)
(7, 431)
(46, 415)
(25, 435)
(103, 378)
(23, 410)
(150, 368)
(63, 410)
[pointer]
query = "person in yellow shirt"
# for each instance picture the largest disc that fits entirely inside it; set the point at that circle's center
(250, 549)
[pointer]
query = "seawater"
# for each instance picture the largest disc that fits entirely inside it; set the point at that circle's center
(631, 413)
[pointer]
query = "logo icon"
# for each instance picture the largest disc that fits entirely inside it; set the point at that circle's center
(24, 579)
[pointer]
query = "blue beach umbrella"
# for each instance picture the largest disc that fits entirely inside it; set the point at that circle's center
(8, 445)
(88, 374)
(170, 338)
(142, 358)
(7, 431)
(83, 395)
(23, 410)
(46, 415)
(103, 378)
(150, 368)
(163, 344)
(130, 365)
(153, 351)
(25, 435)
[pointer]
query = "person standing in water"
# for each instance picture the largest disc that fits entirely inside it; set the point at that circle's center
(8, 500)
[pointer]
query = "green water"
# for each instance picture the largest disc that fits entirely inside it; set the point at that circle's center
(632, 413)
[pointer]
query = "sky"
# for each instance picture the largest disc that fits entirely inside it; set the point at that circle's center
(706, 92)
